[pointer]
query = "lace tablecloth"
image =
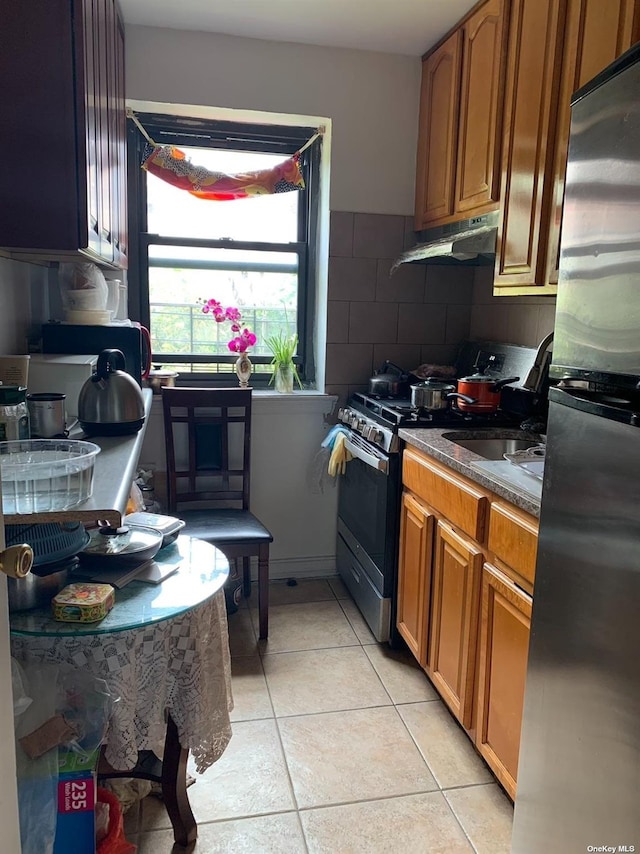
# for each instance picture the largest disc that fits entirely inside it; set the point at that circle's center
(181, 665)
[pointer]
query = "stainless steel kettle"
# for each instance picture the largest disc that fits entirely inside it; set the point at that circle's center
(110, 402)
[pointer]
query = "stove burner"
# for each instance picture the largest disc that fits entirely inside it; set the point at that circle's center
(398, 412)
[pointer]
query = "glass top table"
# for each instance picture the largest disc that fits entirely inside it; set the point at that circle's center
(201, 571)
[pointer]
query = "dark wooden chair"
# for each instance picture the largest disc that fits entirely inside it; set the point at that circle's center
(208, 447)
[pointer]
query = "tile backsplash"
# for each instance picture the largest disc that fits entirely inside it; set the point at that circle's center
(420, 314)
(516, 320)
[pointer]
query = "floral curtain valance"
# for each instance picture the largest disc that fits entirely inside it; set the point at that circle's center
(171, 165)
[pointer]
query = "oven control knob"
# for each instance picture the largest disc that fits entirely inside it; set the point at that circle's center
(377, 436)
(361, 425)
(367, 430)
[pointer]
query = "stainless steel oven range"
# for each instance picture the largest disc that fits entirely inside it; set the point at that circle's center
(369, 500)
(370, 490)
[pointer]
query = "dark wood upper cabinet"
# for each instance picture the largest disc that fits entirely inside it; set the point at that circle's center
(63, 144)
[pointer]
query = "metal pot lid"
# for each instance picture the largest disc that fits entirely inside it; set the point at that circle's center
(478, 378)
(128, 539)
(434, 383)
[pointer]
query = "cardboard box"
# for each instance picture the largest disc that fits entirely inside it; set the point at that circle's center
(77, 786)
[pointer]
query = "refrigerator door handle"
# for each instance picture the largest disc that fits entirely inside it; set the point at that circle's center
(600, 405)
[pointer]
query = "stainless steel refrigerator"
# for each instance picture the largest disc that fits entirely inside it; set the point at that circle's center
(579, 768)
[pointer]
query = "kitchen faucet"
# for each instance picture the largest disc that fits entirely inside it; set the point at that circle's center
(533, 379)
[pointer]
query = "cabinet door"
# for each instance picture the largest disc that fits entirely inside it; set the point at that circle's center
(120, 150)
(417, 523)
(597, 32)
(533, 75)
(457, 567)
(483, 65)
(437, 132)
(89, 193)
(504, 647)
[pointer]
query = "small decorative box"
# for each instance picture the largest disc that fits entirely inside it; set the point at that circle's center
(83, 603)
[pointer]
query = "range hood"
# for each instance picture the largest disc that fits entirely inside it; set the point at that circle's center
(460, 241)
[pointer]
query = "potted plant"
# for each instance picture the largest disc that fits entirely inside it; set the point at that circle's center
(241, 339)
(283, 348)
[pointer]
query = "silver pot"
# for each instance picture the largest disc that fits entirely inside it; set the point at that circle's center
(433, 395)
(389, 381)
(37, 588)
(159, 379)
(110, 402)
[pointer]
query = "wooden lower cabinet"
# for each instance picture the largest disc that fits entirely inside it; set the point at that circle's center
(457, 567)
(504, 645)
(414, 575)
(464, 603)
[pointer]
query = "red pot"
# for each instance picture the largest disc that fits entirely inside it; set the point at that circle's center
(485, 392)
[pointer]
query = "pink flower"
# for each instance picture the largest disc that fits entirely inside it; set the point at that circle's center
(243, 338)
(249, 337)
(238, 345)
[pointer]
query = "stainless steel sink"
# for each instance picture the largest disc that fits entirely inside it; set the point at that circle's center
(490, 448)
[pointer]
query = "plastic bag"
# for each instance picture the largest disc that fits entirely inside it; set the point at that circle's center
(84, 701)
(115, 841)
(37, 778)
(86, 704)
(82, 286)
(20, 700)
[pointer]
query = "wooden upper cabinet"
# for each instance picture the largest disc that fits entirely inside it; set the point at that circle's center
(458, 169)
(62, 81)
(596, 33)
(533, 75)
(438, 132)
(482, 83)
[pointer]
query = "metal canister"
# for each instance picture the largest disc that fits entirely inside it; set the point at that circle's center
(14, 414)
(47, 415)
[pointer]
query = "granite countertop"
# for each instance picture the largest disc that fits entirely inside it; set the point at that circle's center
(433, 442)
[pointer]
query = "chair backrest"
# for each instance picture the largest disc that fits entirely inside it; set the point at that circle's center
(208, 446)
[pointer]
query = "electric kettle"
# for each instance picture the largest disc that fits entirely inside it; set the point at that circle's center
(110, 401)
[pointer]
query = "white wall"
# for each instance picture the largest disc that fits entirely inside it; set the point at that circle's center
(371, 98)
(290, 490)
(18, 280)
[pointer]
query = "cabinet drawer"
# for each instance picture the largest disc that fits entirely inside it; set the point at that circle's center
(513, 537)
(464, 505)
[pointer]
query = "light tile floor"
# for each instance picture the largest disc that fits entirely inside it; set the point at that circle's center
(340, 746)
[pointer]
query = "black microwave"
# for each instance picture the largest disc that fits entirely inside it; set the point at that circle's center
(77, 338)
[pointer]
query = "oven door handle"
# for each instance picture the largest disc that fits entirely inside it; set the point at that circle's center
(380, 464)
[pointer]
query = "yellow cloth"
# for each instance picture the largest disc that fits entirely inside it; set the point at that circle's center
(340, 456)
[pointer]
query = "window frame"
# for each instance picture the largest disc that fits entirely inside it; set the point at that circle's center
(277, 139)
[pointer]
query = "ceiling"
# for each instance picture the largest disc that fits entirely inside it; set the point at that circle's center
(407, 27)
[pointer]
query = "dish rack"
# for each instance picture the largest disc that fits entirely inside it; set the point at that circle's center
(42, 475)
(530, 460)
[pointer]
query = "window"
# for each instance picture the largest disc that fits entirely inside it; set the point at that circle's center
(253, 254)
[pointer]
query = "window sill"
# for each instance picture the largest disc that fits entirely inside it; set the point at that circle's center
(267, 401)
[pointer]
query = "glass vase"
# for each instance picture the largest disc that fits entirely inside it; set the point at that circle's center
(283, 378)
(243, 369)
